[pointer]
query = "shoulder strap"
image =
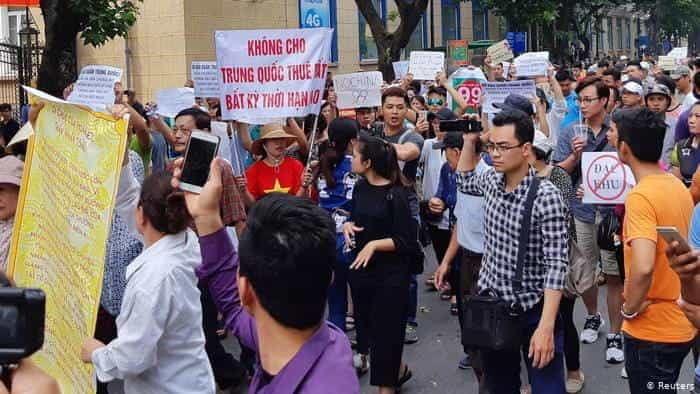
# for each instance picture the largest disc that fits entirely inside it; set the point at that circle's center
(404, 136)
(524, 232)
(601, 145)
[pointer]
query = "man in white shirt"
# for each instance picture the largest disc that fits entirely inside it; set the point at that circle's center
(694, 94)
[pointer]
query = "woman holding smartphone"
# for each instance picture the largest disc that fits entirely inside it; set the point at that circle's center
(379, 230)
(160, 344)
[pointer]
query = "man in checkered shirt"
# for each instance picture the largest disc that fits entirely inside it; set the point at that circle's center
(505, 188)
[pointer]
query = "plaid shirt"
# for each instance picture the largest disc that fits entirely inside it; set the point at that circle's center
(547, 253)
(232, 209)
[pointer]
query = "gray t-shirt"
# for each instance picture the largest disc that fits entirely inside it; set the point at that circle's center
(410, 168)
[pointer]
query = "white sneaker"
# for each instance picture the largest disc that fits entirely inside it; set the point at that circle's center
(591, 328)
(361, 363)
(623, 374)
(575, 385)
(614, 353)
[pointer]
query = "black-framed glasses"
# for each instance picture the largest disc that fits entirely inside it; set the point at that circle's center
(587, 100)
(491, 148)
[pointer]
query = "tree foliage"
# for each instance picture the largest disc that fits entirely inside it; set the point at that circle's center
(103, 20)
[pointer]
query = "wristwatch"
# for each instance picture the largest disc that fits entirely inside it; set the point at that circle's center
(628, 316)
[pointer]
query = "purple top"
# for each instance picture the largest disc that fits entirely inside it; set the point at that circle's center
(322, 365)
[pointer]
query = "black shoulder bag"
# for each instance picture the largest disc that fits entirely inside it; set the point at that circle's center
(489, 322)
(413, 255)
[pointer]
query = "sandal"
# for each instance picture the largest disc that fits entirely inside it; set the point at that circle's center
(453, 309)
(445, 296)
(349, 323)
(405, 377)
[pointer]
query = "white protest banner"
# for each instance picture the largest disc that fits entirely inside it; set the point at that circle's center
(678, 53)
(425, 65)
(499, 52)
(496, 92)
(605, 180)
(532, 64)
(400, 68)
(358, 90)
(172, 101)
(95, 87)
(667, 63)
(220, 129)
(205, 76)
(272, 73)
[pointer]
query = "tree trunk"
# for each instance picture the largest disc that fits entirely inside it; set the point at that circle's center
(58, 63)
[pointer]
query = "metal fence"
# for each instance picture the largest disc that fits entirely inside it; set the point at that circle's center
(18, 66)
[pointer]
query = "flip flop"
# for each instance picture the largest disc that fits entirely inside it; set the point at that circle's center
(405, 377)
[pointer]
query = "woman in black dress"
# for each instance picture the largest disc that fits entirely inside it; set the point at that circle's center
(379, 230)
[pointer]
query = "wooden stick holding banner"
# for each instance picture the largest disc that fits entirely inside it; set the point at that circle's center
(312, 142)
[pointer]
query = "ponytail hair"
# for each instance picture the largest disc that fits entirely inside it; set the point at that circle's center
(162, 205)
(383, 158)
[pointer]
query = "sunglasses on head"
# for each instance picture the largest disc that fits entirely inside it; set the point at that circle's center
(435, 101)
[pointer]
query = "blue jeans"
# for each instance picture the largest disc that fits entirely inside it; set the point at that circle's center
(412, 301)
(502, 368)
(338, 290)
(651, 365)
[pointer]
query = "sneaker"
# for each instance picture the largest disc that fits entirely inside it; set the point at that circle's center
(411, 335)
(575, 385)
(591, 328)
(623, 373)
(614, 353)
(361, 363)
(465, 363)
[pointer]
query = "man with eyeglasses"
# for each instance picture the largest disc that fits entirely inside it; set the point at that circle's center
(592, 136)
(505, 188)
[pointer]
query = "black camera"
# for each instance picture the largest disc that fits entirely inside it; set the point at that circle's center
(461, 125)
(22, 315)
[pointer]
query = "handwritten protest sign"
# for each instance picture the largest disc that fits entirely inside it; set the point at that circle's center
(172, 101)
(496, 92)
(499, 52)
(358, 90)
(606, 180)
(205, 76)
(61, 228)
(272, 73)
(667, 63)
(95, 87)
(400, 69)
(425, 65)
(532, 64)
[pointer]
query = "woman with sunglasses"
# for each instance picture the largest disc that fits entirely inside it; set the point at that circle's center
(380, 230)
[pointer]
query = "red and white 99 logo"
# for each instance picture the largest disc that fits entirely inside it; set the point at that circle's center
(471, 91)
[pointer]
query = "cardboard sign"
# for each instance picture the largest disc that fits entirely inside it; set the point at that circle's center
(63, 221)
(95, 87)
(172, 101)
(667, 63)
(205, 76)
(426, 65)
(358, 90)
(499, 52)
(272, 73)
(605, 180)
(532, 64)
(496, 92)
(400, 69)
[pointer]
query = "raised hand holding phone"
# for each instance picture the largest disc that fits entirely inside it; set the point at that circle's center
(201, 151)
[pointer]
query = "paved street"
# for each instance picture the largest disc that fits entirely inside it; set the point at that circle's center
(434, 358)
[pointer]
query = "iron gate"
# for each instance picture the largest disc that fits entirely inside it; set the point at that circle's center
(18, 66)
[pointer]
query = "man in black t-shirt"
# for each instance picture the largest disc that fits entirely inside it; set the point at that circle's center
(8, 126)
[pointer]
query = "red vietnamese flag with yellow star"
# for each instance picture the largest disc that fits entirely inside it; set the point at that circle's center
(264, 179)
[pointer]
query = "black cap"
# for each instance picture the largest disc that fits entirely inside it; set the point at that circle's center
(516, 101)
(442, 114)
(451, 140)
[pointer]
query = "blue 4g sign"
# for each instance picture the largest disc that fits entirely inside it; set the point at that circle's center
(319, 13)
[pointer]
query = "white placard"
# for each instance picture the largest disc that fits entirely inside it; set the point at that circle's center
(605, 179)
(206, 79)
(220, 129)
(400, 69)
(667, 63)
(272, 73)
(532, 64)
(496, 92)
(424, 66)
(678, 53)
(172, 101)
(95, 87)
(499, 52)
(358, 90)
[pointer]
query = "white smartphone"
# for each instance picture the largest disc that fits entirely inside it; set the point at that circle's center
(201, 150)
(670, 234)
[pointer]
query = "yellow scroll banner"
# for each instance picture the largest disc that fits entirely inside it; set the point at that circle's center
(62, 223)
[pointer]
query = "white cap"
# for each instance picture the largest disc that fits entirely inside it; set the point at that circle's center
(623, 57)
(633, 87)
(593, 68)
(542, 142)
(645, 65)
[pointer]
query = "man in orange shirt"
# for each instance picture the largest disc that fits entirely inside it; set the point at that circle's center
(657, 334)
